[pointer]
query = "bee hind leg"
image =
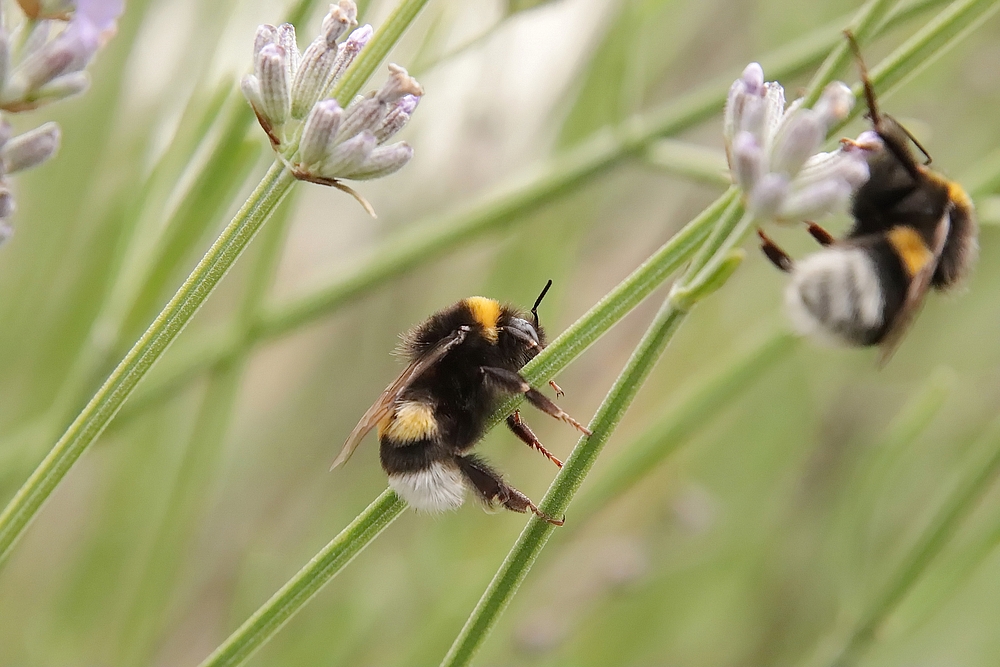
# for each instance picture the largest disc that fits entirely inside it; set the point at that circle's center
(778, 257)
(492, 489)
(514, 383)
(524, 433)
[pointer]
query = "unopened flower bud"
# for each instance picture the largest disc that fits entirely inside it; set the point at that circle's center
(383, 161)
(321, 125)
(835, 104)
(64, 86)
(396, 118)
(347, 52)
(309, 84)
(748, 161)
(7, 205)
(266, 34)
(349, 156)
(799, 138)
(272, 76)
(339, 20)
(767, 196)
(820, 199)
(30, 149)
(398, 84)
(286, 39)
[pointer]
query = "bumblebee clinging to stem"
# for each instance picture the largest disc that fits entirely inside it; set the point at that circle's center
(913, 229)
(462, 361)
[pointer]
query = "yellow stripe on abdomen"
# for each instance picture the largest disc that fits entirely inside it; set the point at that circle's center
(910, 247)
(412, 421)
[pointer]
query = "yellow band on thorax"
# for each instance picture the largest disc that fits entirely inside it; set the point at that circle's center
(486, 312)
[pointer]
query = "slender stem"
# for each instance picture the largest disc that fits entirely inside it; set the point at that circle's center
(937, 535)
(535, 535)
(307, 582)
(677, 426)
(234, 239)
(167, 326)
(506, 205)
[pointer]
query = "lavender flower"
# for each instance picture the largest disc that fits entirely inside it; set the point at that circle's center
(49, 65)
(320, 141)
(56, 52)
(773, 151)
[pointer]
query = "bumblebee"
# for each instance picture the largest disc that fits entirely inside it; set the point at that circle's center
(463, 361)
(913, 229)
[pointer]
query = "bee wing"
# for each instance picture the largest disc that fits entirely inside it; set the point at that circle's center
(383, 407)
(915, 294)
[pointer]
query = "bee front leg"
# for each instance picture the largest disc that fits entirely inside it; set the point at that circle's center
(528, 437)
(492, 489)
(514, 383)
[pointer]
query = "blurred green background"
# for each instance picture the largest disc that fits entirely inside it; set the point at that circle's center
(767, 530)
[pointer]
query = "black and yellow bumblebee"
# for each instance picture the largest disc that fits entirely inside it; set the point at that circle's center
(913, 229)
(462, 361)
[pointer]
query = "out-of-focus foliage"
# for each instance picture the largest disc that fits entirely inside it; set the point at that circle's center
(761, 538)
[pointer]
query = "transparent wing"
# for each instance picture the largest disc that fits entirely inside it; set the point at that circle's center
(383, 407)
(915, 294)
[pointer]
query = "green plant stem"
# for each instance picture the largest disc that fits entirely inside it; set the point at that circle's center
(506, 205)
(678, 426)
(178, 312)
(610, 413)
(284, 604)
(934, 538)
(234, 239)
(301, 588)
(535, 535)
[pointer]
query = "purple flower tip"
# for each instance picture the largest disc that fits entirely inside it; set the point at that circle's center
(360, 37)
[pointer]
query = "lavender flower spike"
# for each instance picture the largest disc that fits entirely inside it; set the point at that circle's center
(774, 152)
(318, 140)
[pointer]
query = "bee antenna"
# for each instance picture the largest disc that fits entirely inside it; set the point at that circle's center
(534, 309)
(865, 81)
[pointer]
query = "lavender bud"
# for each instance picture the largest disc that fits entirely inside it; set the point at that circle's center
(64, 86)
(396, 118)
(348, 156)
(383, 161)
(767, 196)
(817, 200)
(6, 231)
(364, 113)
(30, 149)
(251, 90)
(7, 205)
(5, 133)
(398, 84)
(266, 34)
(834, 104)
(748, 161)
(321, 125)
(286, 40)
(338, 21)
(747, 87)
(309, 84)
(273, 77)
(799, 138)
(347, 52)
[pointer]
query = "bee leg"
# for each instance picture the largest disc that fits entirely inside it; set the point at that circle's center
(491, 488)
(823, 237)
(777, 256)
(556, 388)
(514, 383)
(528, 437)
